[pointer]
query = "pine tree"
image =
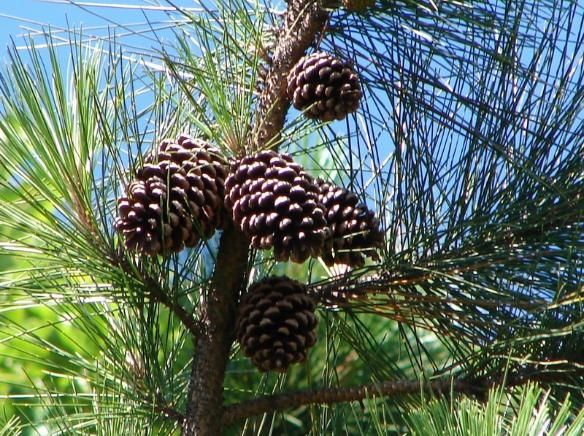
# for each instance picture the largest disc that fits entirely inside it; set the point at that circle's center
(399, 247)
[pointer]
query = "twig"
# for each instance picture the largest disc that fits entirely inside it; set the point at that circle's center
(170, 413)
(187, 319)
(291, 400)
(158, 294)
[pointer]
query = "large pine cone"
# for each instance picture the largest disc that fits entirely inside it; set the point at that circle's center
(176, 198)
(276, 323)
(355, 230)
(275, 203)
(324, 87)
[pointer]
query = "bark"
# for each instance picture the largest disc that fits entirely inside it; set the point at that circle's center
(203, 414)
(477, 388)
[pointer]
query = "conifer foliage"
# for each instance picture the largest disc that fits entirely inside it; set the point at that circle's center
(414, 228)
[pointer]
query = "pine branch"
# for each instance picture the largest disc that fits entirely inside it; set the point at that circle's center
(304, 19)
(159, 295)
(203, 417)
(187, 319)
(169, 412)
(478, 387)
(291, 400)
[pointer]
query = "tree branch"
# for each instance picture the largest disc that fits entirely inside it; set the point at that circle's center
(168, 412)
(187, 319)
(203, 414)
(157, 293)
(204, 408)
(291, 400)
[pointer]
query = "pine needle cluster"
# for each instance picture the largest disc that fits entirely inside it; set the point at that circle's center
(462, 309)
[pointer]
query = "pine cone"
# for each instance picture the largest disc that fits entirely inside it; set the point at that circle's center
(324, 87)
(275, 203)
(358, 5)
(276, 323)
(175, 199)
(355, 230)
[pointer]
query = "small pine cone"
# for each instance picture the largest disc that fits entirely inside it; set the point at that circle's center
(358, 5)
(175, 199)
(275, 203)
(355, 230)
(324, 87)
(276, 323)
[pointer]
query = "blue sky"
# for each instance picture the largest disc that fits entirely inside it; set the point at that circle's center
(18, 17)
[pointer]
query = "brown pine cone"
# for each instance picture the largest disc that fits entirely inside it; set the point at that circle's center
(355, 230)
(324, 87)
(275, 203)
(176, 198)
(276, 323)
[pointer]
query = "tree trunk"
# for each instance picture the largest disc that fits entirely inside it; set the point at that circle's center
(203, 415)
(305, 19)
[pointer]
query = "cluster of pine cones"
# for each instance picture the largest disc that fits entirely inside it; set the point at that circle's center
(278, 205)
(186, 190)
(183, 193)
